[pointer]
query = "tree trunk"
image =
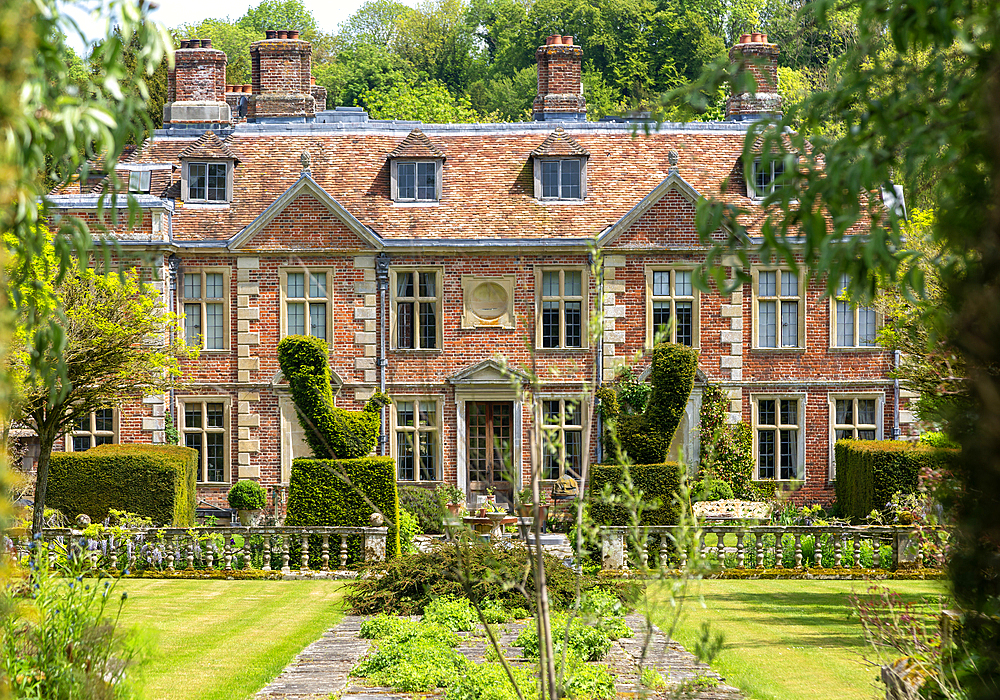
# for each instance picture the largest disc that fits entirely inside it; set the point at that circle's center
(46, 439)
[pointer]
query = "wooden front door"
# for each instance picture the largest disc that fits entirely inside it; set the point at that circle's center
(490, 427)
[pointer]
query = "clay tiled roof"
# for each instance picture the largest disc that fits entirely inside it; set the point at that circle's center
(208, 146)
(559, 143)
(416, 145)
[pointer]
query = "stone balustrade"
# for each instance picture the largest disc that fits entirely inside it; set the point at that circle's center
(759, 547)
(279, 549)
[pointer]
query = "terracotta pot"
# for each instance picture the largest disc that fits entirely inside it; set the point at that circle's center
(248, 88)
(763, 38)
(567, 40)
(312, 80)
(229, 88)
(454, 508)
(206, 43)
(744, 38)
(185, 43)
(270, 34)
(282, 33)
(755, 38)
(293, 33)
(247, 516)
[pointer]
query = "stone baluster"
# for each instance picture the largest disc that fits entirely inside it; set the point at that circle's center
(741, 552)
(209, 550)
(192, 541)
(663, 551)
(304, 562)
(266, 563)
(247, 559)
(114, 558)
(837, 549)
(284, 553)
(779, 552)
(325, 557)
(227, 552)
(798, 550)
(759, 537)
(817, 550)
(644, 553)
(720, 548)
(168, 545)
(857, 551)
(343, 552)
(702, 549)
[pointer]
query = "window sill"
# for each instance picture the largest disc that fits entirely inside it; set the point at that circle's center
(416, 351)
(574, 349)
(784, 351)
(858, 348)
(213, 483)
(417, 204)
(560, 202)
(202, 204)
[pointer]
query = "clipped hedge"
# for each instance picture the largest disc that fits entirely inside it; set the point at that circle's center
(154, 481)
(425, 506)
(658, 482)
(870, 471)
(345, 493)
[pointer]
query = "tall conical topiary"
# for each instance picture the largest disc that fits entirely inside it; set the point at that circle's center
(646, 436)
(331, 432)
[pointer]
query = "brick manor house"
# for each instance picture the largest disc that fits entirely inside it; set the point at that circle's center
(437, 260)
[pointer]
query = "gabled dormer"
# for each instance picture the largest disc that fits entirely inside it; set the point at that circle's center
(560, 168)
(415, 169)
(207, 168)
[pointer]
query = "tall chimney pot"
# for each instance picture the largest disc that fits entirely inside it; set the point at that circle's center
(282, 33)
(293, 33)
(567, 40)
(270, 34)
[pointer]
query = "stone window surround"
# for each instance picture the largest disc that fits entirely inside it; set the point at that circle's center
(832, 404)
(93, 432)
(585, 308)
(283, 298)
(537, 177)
(439, 306)
(695, 299)
(879, 320)
(802, 317)
(438, 428)
(185, 190)
(562, 397)
(394, 182)
(224, 300)
(470, 319)
(205, 399)
(802, 398)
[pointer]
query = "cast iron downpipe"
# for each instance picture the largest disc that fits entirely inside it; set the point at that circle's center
(382, 275)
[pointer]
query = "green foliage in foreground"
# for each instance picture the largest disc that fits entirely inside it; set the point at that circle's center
(457, 614)
(413, 657)
(586, 642)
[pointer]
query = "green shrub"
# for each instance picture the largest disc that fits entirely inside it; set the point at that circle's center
(247, 494)
(153, 481)
(708, 489)
(416, 662)
(933, 439)
(585, 642)
(384, 625)
(425, 505)
(331, 432)
(408, 529)
(457, 614)
(658, 483)
(489, 681)
(589, 682)
(345, 493)
(495, 613)
(869, 472)
(726, 449)
(646, 436)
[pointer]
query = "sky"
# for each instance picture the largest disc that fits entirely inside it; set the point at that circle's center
(328, 13)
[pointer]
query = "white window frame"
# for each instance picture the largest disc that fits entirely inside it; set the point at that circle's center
(777, 427)
(183, 431)
(559, 430)
(672, 299)
(395, 429)
(774, 166)
(92, 432)
(537, 174)
(394, 272)
(832, 398)
(284, 300)
(139, 181)
(855, 308)
(186, 181)
(204, 301)
(779, 299)
(584, 300)
(394, 180)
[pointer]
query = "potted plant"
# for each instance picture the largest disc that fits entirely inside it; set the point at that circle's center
(452, 498)
(526, 507)
(248, 498)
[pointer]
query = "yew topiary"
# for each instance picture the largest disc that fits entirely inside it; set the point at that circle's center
(646, 436)
(331, 432)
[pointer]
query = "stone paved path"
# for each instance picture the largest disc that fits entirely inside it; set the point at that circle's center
(321, 670)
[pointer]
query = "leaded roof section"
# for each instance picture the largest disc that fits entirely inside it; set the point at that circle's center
(208, 147)
(416, 146)
(559, 144)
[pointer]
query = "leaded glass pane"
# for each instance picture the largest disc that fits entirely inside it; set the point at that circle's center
(213, 285)
(406, 180)
(661, 319)
(317, 320)
(428, 284)
(866, 435)
(765, 454)
(550, 324)
(192, 415)
(768, 284)
(789, 412)
(317, 286)
(192, 324)
(661, 283)
(192, 286)
(789, 454)
(428, 456)
(866, 326)
(574, 324)
(428, 325)
(296, 318)
(573, 413)
(866, 411)
(404, 324)
(682, 283)
(214, 322)
(197, 177)
(550, 284)
(214, 413)
(217, 182)
(845, 412)
(571, 179)
(789, 324)
(404, 284)
(845, 324)
(766, 319)
(765, 412)
(685, 322)
(426, 189)
(789, 284)
(104, 419)
(215, 452)
(550, 178)
(428, 413)
(296, 285)
(81, 443)
(404, 455)
(573, 286)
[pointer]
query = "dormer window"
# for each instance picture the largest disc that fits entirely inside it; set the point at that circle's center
(138, 181)
(560, 169)
(765, 177)
(416, 181)
(207, 182)
(561, 179)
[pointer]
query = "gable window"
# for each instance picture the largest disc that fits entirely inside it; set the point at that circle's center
(779, 309)
(671, 307)
(765, 175)
(416, 181)
(561, 179)
(418, 440)
(207, 182)
(854, 326)
(206, 303)
(306, 304)
(778, 437)
(417, 309)
(561, 304)
(562, 435)
(138, 181)
(95, 428)
(204, 428)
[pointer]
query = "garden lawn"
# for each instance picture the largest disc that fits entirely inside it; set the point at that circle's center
(785, 640)
(225, 640)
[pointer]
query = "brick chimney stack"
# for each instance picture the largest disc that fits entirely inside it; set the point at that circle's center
(760, 58)
(196, 88)
(560, 90)
(281, 70)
